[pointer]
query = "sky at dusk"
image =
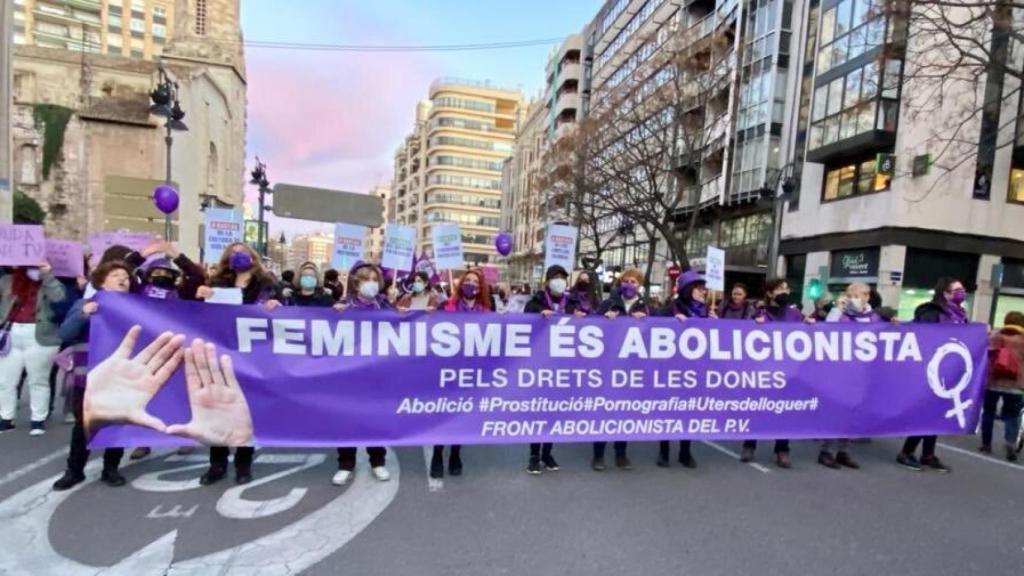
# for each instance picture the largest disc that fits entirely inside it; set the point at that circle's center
(334, 119)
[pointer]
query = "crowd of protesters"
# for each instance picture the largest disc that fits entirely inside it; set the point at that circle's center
(45, 334)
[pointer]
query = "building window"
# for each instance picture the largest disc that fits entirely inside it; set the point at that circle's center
(114, 20)
(853, 179)
(846, 106)
(848, 30)
(115, 41)
(139, 5)
(138, 25)
(159, 30)
(137, 54)
(159, 12)
(201, 17)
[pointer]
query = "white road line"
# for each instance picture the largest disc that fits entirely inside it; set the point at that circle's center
(12, 476)
(725, 450)
(433, 484)
(982, 457)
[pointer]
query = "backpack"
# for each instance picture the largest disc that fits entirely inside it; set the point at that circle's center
(1003, 363)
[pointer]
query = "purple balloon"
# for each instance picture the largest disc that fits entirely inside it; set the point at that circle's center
(165, 198)
(503, 242)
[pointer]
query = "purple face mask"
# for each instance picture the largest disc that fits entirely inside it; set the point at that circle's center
(959, 296)
(628, 291)
(240, 261)
(469, 290)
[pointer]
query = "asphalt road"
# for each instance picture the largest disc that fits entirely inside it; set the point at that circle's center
(723, 518)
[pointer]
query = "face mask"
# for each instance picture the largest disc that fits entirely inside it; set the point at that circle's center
(418, 287)
(628, 291)
(308, 282)
(469, 291)
(240, 261)
(33, 274)
(582, 285)
(557, 286)
(165, 282)
(959, 296)
(369, 289)
(854, 305)
(784, 299)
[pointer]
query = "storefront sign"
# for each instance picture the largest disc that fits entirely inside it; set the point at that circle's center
(861, 263)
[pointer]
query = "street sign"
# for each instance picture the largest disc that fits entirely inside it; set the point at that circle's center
(323, 205)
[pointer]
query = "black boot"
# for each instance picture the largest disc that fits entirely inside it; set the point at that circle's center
(213, 475)
(663, 453)
(243, 474)
(685, 457)
(68, 480)
(111, 477)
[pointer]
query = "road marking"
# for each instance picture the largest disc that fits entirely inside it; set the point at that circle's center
(433, 484)
(982, 457)
(12, 476)
(725, 450)
(26, 550)
(232, 505)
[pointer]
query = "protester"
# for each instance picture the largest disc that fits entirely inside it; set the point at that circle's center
(332, 282)
(1005, 384)
(306, 289)
(738, 306)
(553, 300)
(473, 295)
(779, 306)
(585, 293)
(421, 295)
(853, 306)
(690, 302)
(945, 307)
(823, 306)
(624, 301)
(74, 331)
(239, 268)
(162, 271)
(27, 296)
(363, 293)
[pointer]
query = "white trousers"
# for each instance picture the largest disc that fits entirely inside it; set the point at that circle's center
(26, 355)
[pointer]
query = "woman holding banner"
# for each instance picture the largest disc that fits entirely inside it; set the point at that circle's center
(779, 306)
(240, 269)
(421, 295)
(307, 289)
(473, 295)
(74, 331)
(363, 294)
(690, 302)
(945, 307)
(624, 301)
(27, 297)
(585, 293)
(738, 306)
(554, 300)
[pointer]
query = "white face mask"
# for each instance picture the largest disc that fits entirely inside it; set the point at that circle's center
(854, 304)
(557, 286)
(369, 289)
(418, 287)
(33, 274)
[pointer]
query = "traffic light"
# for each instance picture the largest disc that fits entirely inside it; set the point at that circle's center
(815, 289)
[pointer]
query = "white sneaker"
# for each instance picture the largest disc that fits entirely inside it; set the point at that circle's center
(69, 418)
(37, 432)
(341, 477)
(381, 473)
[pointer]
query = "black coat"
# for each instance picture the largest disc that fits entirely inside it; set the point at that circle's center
(615, 303)
(539, 303)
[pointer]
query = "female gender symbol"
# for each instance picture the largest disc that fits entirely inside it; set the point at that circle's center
(938, 384)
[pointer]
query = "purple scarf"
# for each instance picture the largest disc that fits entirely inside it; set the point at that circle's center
(558, 308)
(955, 313)
(692, 309)
(463, 307)
(359, 304)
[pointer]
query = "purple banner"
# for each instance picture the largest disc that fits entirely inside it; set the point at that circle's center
(315, 377)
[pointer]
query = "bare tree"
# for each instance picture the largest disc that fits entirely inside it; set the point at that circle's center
(963, 65)
(651, 141)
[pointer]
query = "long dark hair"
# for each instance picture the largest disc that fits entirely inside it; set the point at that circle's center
(591, 293)
(225, 276)
(939, 295)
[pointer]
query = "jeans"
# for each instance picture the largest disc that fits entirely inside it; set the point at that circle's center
(620, 449)
(347, 457)
(78, 453)
(780, 445)
(29, 356)
(538, 450)
(1010, 415)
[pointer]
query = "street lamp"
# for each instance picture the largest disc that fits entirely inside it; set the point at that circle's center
(259, 178)
(778, 188)
(166, 104)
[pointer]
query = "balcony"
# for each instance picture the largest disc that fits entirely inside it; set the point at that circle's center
(90, 5)
(569, 72)
(567, 101)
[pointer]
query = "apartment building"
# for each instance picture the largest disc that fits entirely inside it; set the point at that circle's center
(449, 168)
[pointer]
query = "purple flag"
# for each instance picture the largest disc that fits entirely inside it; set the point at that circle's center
(315, 377)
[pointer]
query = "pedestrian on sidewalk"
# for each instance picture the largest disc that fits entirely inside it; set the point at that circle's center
(1005, 384)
